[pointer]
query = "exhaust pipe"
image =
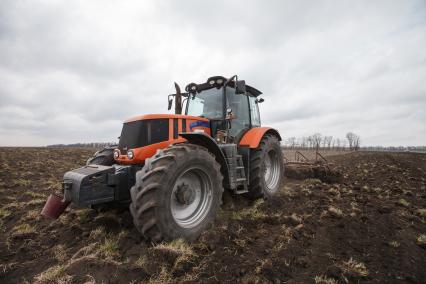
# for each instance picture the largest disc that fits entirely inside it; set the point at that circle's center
(54, 207)
(178, 101)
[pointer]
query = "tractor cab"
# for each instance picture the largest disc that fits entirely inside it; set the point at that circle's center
(230, 105)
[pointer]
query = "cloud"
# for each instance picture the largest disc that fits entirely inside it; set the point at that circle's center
(73, 71)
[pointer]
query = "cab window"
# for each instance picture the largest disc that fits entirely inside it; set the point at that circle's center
(254, 112)
(206, 104)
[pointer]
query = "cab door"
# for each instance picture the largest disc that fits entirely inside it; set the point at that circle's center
(239, 105)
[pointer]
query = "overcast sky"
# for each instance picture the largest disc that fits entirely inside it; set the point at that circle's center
(72, 71)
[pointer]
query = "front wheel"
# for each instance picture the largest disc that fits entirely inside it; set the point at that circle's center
(177, 193)
(266, 168)
(104, 157)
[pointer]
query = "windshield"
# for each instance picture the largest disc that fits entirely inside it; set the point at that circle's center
(206, 104)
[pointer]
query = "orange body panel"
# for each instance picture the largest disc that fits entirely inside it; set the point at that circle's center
(158, 116)
(252, 137)
(142, 153)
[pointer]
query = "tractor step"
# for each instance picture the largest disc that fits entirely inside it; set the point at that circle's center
(240, 191)
(237, 176)
(241, 180)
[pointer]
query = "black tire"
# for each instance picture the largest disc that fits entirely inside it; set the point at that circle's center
(154, 193)
(269, 145)
(104, 157)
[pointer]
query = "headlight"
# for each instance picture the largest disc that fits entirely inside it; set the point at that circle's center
(130, 154)
(116, 154)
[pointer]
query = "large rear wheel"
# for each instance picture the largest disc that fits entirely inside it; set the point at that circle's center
(177, 193)
(266, 168)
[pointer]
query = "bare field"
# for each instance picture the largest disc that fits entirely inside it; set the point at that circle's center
(367, 227)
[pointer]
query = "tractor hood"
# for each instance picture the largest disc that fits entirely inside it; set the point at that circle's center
(143, 135)
(162, 116)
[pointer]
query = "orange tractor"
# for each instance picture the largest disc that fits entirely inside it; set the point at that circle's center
(171, 169)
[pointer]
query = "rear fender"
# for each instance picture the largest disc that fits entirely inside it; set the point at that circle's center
(211, 145)
(252, 137)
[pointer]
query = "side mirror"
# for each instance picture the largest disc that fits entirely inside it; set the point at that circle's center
(259, 101)
(169, 107)
(240, 87)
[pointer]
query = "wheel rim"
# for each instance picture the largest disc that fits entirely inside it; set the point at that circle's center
(272, 171)
(191, 198)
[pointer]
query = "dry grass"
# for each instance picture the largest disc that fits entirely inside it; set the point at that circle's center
(142, 261)
(87, 250)
(321, 279)
(4, 213)
(334, 191)
(23, 182)
(284, 239)
(183, 251)
(421, 240)
(164, 276)
(353, 267)
(23, 229)
(240, 242)
(264, 264)
(97, 233)
(251, 212)
(32, 215)
(394, 244)
(311, 182)
(34, 195)
(306, 191)
(54, 274)
(178, 246)
(296, 219)
(421, 212)
(36, 202)
(12, 205)
(60, 253)
(332, 211)
(83, 214)
(52, 184)
(403, 202)
(109, 248)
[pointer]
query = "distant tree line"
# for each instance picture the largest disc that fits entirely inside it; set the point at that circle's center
(318, 141)
(96, 145)
(419, 149)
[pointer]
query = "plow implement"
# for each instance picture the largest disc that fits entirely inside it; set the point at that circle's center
(303, 168)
